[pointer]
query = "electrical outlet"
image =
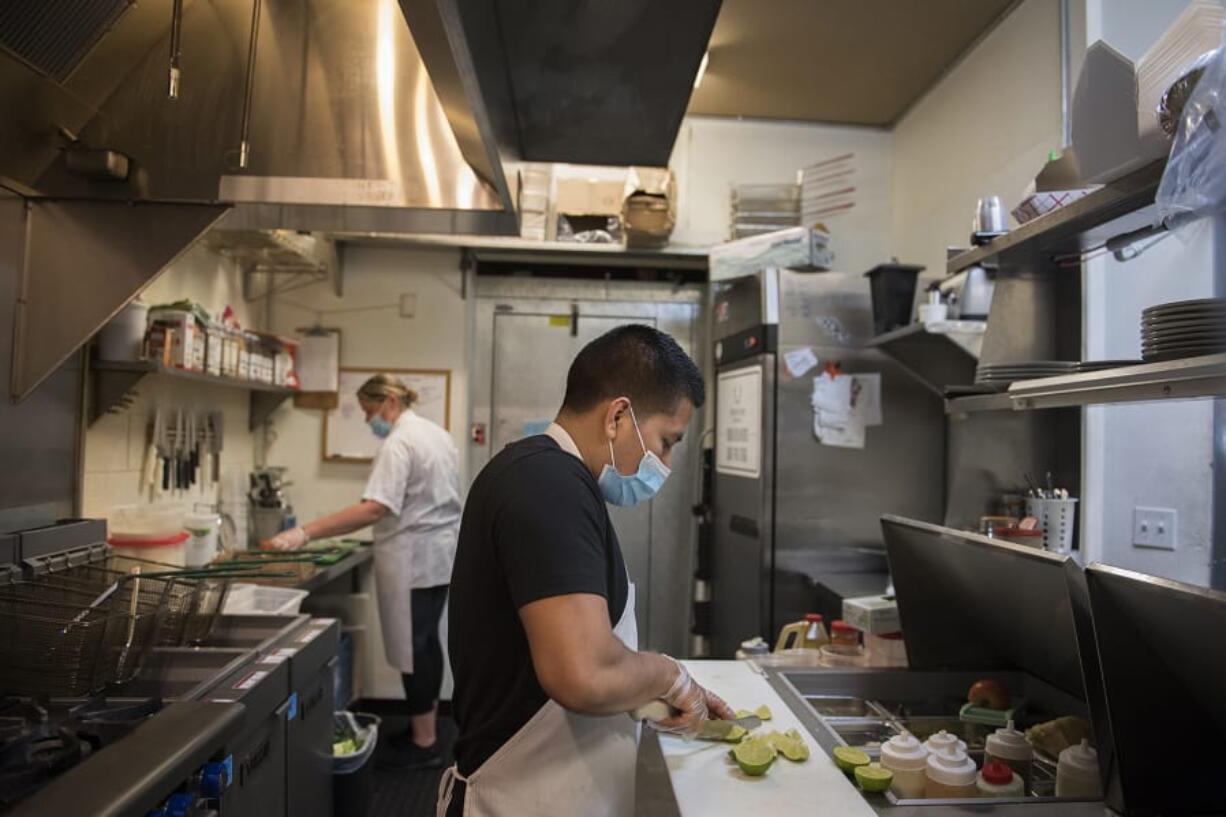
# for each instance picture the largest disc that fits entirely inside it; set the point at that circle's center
(1154, 528)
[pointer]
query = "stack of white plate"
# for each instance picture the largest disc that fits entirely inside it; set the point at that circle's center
(1183, 329)
(1001, 375)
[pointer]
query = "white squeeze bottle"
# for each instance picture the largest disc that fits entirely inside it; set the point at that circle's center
(907, 758)
(1077, 772)
(1010, 746)
(950, 773)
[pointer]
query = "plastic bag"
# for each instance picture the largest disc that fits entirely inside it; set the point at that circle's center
(1194, 182)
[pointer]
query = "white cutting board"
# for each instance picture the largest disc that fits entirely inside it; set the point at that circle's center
(706, 782)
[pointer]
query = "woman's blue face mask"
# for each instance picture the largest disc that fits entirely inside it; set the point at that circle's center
(626, 490)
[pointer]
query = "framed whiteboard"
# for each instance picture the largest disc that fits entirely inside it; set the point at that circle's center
(347, 437)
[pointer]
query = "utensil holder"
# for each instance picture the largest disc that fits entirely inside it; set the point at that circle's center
(1057, 519)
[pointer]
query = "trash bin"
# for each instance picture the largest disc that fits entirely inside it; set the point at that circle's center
(352, 787)
(893, 287)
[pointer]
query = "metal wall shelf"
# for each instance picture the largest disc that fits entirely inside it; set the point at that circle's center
(114, 379)
(1124, 205)
(1171, 380)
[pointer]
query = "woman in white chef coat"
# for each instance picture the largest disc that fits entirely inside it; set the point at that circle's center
(413, 500)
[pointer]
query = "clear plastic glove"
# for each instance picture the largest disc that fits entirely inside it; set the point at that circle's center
(291, 539)
(691, 705)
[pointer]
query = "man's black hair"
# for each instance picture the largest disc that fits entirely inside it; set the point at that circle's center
(638, 362)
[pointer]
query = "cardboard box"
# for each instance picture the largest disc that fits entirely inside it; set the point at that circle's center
(589, 197)
(649, 211)
(873, 614)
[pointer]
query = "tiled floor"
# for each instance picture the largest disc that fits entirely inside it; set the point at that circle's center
(410, 794)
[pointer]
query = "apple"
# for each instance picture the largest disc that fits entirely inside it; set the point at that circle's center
(988, 693)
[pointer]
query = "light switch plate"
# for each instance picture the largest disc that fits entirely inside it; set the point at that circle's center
(408, 305)
(1154, 528)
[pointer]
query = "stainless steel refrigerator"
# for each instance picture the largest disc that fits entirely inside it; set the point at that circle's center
(796, 501)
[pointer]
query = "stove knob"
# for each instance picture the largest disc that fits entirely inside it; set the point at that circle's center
(180, 805)
(215, 778)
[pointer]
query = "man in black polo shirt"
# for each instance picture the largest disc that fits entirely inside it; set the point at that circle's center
(542, 637)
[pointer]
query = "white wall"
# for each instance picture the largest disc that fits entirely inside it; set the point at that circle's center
(373, 335)
(985, 129)
(1147, 454)
(115, 445)
(714, 153)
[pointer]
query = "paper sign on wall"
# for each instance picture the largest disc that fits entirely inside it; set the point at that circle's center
(844, 406)
(799, 361)
(738, 423)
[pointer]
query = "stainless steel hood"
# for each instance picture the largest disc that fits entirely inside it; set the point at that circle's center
(343, 129)
(583, 81)
(325, 121)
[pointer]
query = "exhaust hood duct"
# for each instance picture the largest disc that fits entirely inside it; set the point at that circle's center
(583, 81)
(345, 132)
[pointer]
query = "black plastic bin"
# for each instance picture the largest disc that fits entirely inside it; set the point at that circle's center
(893, 287)
(353, 785)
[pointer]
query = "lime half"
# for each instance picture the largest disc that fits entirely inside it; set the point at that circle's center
(873, 778)
(849, 759)
(789, 744)
(736, 733)
(754, 757)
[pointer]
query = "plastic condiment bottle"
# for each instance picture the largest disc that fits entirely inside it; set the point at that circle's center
(807, 634)
(997, 779)
(907, 758)
(950, 773)
(843, 634)
(1077, 772)
(943, 740)
(1010, 746)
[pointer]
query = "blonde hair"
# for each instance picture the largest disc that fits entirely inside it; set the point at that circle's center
(382, 386)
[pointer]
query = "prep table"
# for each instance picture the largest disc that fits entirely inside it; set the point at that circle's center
(705, 782)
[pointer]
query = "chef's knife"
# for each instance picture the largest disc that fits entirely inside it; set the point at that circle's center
(711, 730)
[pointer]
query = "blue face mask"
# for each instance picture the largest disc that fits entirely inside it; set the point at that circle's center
(380, 427)
(643, 484)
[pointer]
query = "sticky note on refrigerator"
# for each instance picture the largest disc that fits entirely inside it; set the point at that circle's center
(799, 361)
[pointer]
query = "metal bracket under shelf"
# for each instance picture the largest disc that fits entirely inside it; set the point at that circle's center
(940, 355)
(112, 382)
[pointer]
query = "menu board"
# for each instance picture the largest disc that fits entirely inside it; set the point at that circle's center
(738, 423)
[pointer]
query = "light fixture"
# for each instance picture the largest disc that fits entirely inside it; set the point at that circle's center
(702, 69)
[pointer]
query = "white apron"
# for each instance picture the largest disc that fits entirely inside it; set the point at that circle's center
(558, 762)
(392, 583)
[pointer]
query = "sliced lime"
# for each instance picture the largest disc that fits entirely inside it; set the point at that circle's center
(849, 759)
(736, 733)
(763, 712)
(789, 744)
(873, 778)
(754, 757)
(743, 713)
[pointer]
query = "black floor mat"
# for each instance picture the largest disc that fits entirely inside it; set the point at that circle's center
(410, 794)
